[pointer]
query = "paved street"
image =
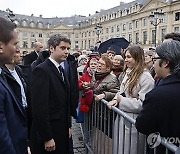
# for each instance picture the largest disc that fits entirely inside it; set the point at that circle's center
(77, 138)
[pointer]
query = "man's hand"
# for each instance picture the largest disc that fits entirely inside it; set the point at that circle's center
(50, 145)
(28, 150)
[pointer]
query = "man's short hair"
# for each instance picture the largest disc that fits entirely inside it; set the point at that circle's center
(170, 51)
(56, 39)
(173, 36)
(6, 28)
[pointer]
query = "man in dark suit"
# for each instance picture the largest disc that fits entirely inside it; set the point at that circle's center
(50, 101)
(29, 58)
(13, 130)
(18, 84)
(161, 106)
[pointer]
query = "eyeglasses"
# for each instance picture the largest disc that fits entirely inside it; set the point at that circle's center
(102, 64)
(63, 47)
(155, 58)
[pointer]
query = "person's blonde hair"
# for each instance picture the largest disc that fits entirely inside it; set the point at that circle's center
(138, 54)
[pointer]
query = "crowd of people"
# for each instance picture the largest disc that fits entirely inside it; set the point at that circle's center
(40, 92)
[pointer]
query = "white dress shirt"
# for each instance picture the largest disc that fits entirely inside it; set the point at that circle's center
(16, 76)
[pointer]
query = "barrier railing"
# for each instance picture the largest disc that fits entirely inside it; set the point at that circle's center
(102, 136)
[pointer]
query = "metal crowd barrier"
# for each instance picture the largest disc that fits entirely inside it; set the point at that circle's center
(98, 132)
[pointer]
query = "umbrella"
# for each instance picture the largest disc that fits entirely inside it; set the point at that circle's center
(115, 44)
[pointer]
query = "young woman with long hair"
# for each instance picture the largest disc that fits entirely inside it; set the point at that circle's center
(137, 81)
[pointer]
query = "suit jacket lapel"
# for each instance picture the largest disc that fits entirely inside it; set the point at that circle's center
(22, 110)
(55, 70)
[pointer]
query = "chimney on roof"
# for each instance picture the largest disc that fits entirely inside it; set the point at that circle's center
(121, 3)
(97, 12)
(32, 15)
(40, 15)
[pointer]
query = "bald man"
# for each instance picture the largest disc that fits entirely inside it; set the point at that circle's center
(28, 59)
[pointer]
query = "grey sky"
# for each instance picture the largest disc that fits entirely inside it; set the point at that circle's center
(59, 8)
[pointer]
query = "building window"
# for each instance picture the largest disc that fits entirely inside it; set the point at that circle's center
(102, 31)
(85, 34)
(144, 22)
(124, 27)
(76, 45)
(76, 35)
(24, 34)
(25, 44)
(32, 44)
(89, 33)
(130, 38)
(144, 37)
(32, 24)
(153, 36)
(177, 16)
(137, 38)
(89, 43)
(32, 34)
(82, 35)
(117, 28)
(40, 25)
(82, 45)
(85, 44)
(137, 24)
(40, 35)
(24, 23)
(176, 29)
(112, 29)
(107, 30)
(130, 26)
(163, 33)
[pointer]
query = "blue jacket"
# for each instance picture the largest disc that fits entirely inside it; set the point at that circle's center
(13, 127)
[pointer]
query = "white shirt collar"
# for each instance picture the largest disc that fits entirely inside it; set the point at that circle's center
(54, 62)
(0, 70)
(11, 71)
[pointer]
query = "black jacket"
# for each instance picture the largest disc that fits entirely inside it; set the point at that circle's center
(29, 58)
(16, 89)
(50, 108)
(73, 81)
(71, 73)
(161, 110)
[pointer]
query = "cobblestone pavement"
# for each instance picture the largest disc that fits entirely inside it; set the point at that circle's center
(78, 144)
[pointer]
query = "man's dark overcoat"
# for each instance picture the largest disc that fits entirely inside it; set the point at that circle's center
(50, 109)
(161, 109)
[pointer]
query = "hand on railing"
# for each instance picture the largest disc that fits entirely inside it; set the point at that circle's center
(114, 102)
(99, 97)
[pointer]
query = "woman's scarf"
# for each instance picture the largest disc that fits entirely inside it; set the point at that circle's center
(99, 76)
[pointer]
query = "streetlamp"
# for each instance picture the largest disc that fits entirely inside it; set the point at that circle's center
(98, 29)
(155, 19)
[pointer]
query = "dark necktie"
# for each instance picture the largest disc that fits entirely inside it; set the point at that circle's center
(61, 72)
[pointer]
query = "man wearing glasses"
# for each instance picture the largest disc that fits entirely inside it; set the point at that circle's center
(161, 106)
(50, 101)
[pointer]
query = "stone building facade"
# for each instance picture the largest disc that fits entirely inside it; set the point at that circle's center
(129, 20)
